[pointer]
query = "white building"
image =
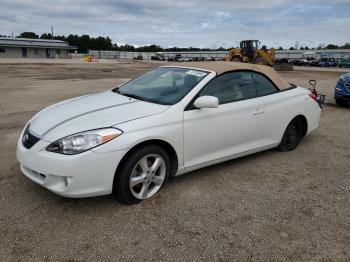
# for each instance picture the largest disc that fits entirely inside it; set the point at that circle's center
(11, 47)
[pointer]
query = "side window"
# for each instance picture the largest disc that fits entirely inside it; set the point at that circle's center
(263, 85)
(231, 87)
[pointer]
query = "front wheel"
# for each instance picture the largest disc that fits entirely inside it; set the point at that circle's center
(143, 173)
(236, 59)
(291, 136)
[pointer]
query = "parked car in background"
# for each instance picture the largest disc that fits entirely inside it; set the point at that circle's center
(307, 59)
(342, 90)
(139, 57)
(328, 62)
(175, 58)
(158, 57)
(181, 59)
(345, 62)
(184, 59)
(169, 121)
(219, 59)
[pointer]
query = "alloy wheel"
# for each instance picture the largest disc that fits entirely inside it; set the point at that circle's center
(147, 176)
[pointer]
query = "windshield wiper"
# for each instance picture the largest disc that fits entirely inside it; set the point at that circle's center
(116, 90)
(140, 98)
(132, 96)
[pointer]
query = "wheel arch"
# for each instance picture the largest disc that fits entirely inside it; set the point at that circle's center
(174, 162)
(304, 122)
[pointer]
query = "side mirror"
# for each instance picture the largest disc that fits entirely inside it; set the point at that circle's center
(206, 102)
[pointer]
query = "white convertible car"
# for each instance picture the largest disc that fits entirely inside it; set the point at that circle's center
(168, 121)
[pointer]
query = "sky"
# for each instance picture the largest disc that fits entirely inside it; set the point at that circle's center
(185, 23)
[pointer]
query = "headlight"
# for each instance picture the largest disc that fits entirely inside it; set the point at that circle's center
(80, 142)
(338, 90)
(342, 80)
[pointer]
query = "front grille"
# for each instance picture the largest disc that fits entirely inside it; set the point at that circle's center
(28, 139)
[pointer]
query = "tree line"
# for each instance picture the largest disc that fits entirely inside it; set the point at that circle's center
(85, 43)
(297, 46)
(321, 46)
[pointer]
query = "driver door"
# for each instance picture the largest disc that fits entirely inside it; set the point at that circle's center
(235, 126)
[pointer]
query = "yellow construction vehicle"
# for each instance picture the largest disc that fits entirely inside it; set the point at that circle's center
(249, 52)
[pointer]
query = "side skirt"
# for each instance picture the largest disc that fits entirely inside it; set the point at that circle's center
(183, 170)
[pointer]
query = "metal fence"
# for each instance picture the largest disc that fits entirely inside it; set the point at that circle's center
(288, 54)
(147, 55)
(337, 54)
(119, 54)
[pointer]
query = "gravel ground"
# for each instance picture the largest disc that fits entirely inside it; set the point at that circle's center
(326, 79)
(270, 206)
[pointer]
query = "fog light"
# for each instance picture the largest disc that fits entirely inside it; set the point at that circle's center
(338, 90)
(69, 180)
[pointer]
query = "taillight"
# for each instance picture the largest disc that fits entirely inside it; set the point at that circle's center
(313, 96)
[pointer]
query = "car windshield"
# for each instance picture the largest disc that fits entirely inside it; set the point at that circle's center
(164, 85)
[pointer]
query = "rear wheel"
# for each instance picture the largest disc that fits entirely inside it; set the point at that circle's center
(260, 61)
(291, 136)
(143, 174)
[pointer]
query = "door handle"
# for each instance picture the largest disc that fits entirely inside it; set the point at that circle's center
(258, 111)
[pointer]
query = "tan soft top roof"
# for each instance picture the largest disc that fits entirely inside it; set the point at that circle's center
(221, 67)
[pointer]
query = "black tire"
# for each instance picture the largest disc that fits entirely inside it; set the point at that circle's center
(121, 183)
(340, 102)
(236, 59)
(291, 136)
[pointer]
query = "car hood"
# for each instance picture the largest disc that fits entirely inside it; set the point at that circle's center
(89, 112)
(347, 77)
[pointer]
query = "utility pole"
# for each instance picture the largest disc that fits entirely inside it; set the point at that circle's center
(52, 32)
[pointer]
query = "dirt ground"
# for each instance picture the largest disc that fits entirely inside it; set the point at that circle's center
(326, 79)
(270, 206)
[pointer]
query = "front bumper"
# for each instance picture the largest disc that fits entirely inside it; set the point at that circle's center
(341, 96)
(82, 175)
(344, 94)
